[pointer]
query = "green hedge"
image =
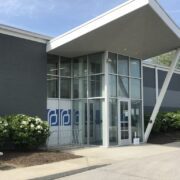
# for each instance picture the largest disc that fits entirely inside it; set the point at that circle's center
(165, 122)
(23, 132)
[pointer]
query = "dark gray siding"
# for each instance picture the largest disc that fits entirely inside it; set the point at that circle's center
(171, 101)
(22, 76)
(149, 89)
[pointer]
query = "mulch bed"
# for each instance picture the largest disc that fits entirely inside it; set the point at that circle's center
(164, 138)
(24, 159)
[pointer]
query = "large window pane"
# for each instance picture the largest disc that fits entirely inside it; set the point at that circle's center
(123, 65)
(95, 122)
(135, 67)
(65, 67)
(52, 77)
(65, 88)
(79, 126)
(136, 119)
(112, 63)
(79, 87)
(135, 89)
(113, 122)
(80, 66)
(112, 86)
(123, 87)
(96, 85)
(95, 63)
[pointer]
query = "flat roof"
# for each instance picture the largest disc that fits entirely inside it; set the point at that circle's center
(16, 32)
(138, 28)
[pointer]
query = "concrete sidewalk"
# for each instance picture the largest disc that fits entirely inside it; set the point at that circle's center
(48, 169)
(93, 157)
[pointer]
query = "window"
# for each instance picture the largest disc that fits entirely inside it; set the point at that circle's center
(79, 88)
(113, 85)
(136, 119)
(95, 63)
(65, 88)
(95, 85)
(135, 67)
(65, 67)
(123, 86)
(52, 77)
(113, 122)
(135, 89)
(80, 66)
(112, 63)
(123, 65)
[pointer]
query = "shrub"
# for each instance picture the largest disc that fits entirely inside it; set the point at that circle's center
(26, 132)
(165, 122)
(4, 131)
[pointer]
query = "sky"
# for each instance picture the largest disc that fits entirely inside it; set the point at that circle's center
(54, 17)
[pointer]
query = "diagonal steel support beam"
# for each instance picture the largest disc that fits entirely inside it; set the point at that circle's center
(161, 95)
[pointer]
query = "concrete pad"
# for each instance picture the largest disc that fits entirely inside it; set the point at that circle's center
(117, 154)
(149, 162)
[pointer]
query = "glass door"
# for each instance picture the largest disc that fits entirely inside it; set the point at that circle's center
(124, 122)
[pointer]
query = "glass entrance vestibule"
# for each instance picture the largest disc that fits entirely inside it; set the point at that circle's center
(101, 94)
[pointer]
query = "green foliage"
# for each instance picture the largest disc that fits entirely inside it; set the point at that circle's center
(165, 122)
(26, 132)
(4, 131)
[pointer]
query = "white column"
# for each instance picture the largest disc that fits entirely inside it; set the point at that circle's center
(106, 105)
(161, 95)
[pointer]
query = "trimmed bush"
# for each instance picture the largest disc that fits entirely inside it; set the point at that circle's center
(4, 131)
(165, 122)
(25, 132)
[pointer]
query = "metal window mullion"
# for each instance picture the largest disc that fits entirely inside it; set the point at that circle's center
(59, 79)
(88, 117)
(142, 102)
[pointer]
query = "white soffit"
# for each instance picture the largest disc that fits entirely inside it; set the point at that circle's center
(138, 28)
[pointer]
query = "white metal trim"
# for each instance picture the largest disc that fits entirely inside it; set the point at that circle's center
(11, 31)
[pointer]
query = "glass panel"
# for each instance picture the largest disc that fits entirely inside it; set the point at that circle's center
(123, 65)
(95, 85)
(135, 67)
(113, 122)
(112, 63)
(65, 67)
(79, 126)
(52, 77)
(80, 66)
(124, 135)
(112, 85)
(123, 87)
(136, 119)
(135, 89)
(124, 120)
(65, 87)
(124, 111)
(80, 87)
(95, 116)
(95, 63)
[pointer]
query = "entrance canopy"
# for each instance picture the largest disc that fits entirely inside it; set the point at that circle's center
(137, 28)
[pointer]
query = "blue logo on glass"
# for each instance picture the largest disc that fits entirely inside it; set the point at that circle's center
(59, 117)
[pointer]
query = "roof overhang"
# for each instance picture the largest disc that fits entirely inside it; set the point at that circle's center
(138, 28)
